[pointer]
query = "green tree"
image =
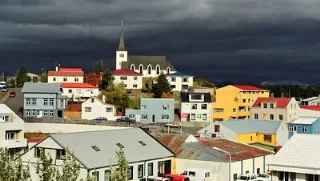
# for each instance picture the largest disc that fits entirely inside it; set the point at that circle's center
(46, 170)
(117, 95)
(107, 79)
(70, 169)
(202, 83)
(97, 67)
(161, 87)
(44, 77)
(121, 173)
(21, 77)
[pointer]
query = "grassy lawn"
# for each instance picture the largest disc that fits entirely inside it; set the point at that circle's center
(2, 94)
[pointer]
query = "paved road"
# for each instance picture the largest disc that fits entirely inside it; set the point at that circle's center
(15, 103)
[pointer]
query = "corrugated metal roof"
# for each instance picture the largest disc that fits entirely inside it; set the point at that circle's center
(301, 151)
(241, 126)
(249, 88)
(80, 144)
(305, 120)
(41, 87)
(281, 102)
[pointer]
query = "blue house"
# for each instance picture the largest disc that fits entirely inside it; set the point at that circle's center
(153, 110)
(43, 100)
(304, 126)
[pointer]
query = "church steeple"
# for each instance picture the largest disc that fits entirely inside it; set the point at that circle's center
(122, 47)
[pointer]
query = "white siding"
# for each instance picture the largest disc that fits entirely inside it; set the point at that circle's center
(98, 109)
(130, 82)
(60, 79)
(282, 134)
(186, 108)
(177, 81)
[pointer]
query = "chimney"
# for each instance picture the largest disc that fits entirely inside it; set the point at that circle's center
(282, 94)
(272, 94)
(57, 68)
(104, 98)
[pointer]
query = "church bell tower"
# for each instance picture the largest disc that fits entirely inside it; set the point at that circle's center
(121, 54)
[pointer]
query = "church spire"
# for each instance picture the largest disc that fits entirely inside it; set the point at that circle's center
(122, 47)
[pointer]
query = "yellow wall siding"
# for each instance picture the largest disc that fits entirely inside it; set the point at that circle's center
(250, 138)
(173, 166)
(229, 98)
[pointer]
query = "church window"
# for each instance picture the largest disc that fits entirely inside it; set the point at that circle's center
(158, 69)
(132, 67)
(121, 55)
(149, 69)
(140, 69)
(168, 70)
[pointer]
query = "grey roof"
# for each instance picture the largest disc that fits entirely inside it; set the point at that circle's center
(185, 96)
(80, 144)
(41, 87)
(146, 60)
(240, 126)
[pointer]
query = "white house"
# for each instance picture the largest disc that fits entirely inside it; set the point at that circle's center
(94, 107)
(298, 159)
(11, 131)
(195, 107)
(79, 91)
(96, 153)
(69, 75)
(180, 81)
(224, 159)
(148, 66)
(129, 78)
(311, 101)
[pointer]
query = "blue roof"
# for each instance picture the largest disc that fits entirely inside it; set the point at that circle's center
(250, 126)
(179, 74)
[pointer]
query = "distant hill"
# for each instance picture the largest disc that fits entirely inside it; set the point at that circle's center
(283, 83)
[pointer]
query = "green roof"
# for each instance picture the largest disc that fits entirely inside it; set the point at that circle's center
(148, 60)
(266, 147)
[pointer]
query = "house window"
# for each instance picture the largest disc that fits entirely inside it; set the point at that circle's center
(131, 116)
(235, 176)
(144, 116)
(28, 113)
(218, 110)
(158, 69)
(256, 116)
(271, 105)
(193, 117)
(198, 116)
(271, 117)
(28, 101)
(121, 55)
(150, 169)
(87, 109)
(54, 79)
(265, 105)
(76, 79)
(173, 79)
(109, 109)
(51, 113)
(135, 78)
(196, 97)
(34, 102)
(37, 152)
(258, 170)
(70, 91)
(304, 129)
(168, 70)
(123, 78)
(217, 128)
(45, 102)
(234, 110)
(244, 100)
(173, 86)
(10, 135)
(165, 107)
(204, 106)
(140, 69)
(280, 117)
(165, 116)
(140, 171)
(34, 113)
(130, 174)
(149, 70)
(250, 138)
(132, 67)
(92, 100)
(144, 107)
(185, 80)
(45, 113)
(267, 138)
(107, 175)
(292, 128)
(95, 176)
(193, 106)
(51, 102)
(65, 79)
(61, 154)
(204, 117)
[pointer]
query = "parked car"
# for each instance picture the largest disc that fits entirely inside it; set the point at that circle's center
(101, 119)
(246, 177)
(153, 178)
(4, 89)
(126, 119)
(12, 94)
(196, 174)
(175, 177)
(263, 177)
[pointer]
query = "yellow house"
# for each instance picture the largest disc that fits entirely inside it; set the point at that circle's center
(234, 101)
(267, 134)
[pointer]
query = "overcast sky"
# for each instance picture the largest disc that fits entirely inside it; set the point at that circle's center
(240, 40)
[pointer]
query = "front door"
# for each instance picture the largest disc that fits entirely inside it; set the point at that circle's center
(153, 118)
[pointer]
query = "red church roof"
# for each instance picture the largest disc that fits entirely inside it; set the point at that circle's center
(124, 72)
(312, 107)
(281, 102)
(77, 85)
(249, 88)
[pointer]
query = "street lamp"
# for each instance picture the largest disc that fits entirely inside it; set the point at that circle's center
(224, 151)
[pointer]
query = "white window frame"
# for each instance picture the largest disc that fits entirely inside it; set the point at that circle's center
(51, 113)
(51, 102)
(28, 101)
(34, 101)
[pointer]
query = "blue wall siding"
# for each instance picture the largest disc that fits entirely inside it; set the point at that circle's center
(313, 128)
(153, 111)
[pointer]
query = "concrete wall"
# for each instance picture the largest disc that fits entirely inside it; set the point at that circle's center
(129, 82)
(64, 128)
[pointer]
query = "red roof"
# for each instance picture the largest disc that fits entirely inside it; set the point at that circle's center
(35, 139)
(281, 102)
(124, 72)
(65, 73)
(248, 88)
(312, 107)
(77, 85)
(70, 70)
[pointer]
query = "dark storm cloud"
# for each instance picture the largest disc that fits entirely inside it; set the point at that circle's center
(241, 40)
